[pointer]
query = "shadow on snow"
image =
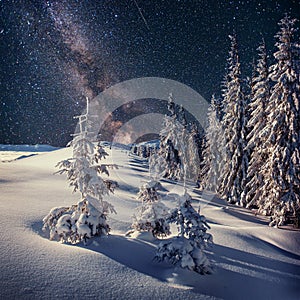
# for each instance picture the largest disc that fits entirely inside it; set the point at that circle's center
(246, 270)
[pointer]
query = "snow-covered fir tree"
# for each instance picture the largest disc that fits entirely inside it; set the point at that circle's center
(88, 217)
(157, 165)
(198, 140)
(197, 137)
(178, 147)
(246, 151)
(214, 152)
(170, 138)
(193, 159)
(257, 136)
(233, 122)
(187, 249)
(218, 107)
(152, 214)
(188, 149)
(281, 189)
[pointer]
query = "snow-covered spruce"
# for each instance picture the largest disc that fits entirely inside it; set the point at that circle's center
(186, 250)
(214, 151)
(246, 152)
(78, 222)
(170, 137)
(157, 165)
(281, 188)
(88, 217)
(152, 214)
(258, 135)
(188, 148)
(178, 146)
(233, 123)
(197, 139)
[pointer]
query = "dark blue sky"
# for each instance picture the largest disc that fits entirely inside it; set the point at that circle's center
(53, 53)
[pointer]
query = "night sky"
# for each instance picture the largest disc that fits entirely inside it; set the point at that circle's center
(54, 53)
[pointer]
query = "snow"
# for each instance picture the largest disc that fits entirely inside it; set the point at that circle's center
(13, 152)
(252, 260)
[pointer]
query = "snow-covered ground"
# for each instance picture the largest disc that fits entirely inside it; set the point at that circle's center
(252, 260)
(12, 152)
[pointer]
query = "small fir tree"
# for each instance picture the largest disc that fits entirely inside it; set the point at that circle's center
(88, 217)
(186, 250)
(152, 214)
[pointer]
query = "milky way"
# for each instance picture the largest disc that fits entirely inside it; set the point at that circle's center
(55, 53)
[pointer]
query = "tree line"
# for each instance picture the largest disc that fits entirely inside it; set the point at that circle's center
(249, 153)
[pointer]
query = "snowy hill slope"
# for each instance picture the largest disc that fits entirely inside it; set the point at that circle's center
(251, 259)
(12, 152)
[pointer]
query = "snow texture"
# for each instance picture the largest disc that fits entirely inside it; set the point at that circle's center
(251, 260)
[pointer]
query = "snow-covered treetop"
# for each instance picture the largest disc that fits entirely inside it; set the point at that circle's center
(233, 59)
(83, 169)
(148, 192)
(287, 55)
(171, 106)
(190, 223)
(182, 116)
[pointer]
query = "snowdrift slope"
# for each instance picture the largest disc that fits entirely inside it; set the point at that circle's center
(251, 259)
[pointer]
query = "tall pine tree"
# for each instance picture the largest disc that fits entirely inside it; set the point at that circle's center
(233, 122)
(281, 195)
(257, 135)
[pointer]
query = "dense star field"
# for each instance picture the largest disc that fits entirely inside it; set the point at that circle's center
(54, 53)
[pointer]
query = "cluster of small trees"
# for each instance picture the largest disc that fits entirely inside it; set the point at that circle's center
(141, 150)
(186, 248)
(88, 218)
(180, 145)
(252, 153)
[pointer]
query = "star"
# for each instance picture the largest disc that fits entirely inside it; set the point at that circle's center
(55, 53)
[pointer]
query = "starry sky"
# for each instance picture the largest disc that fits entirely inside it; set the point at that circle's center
(55, 53)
